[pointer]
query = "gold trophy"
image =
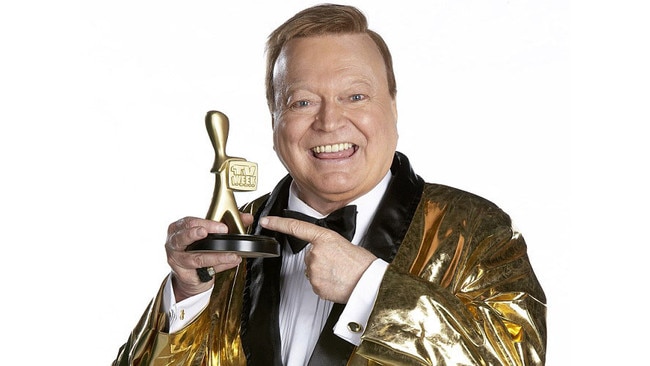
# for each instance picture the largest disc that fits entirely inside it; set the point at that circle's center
(232, 174)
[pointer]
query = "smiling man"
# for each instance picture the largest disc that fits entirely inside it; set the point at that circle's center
(334, 118)
(418, 274)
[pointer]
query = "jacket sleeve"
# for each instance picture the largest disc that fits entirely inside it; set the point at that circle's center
(461, 291)
(210, 339)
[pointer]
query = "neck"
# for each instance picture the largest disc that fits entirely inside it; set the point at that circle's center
(326, 205)
(323, 205)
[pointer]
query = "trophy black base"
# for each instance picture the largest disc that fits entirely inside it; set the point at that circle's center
(249, 246)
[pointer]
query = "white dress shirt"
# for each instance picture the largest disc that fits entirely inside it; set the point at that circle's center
(302, 313)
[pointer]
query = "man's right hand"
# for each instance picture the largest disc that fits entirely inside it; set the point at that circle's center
(183, 264)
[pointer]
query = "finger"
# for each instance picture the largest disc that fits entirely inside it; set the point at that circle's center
(186, 278)
(308, 255)
(189, 222)
(219, 261)
(300, 229)
(211, 226)
(185, 264)
(190, 229)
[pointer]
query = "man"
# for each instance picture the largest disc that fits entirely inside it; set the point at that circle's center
(431, 275)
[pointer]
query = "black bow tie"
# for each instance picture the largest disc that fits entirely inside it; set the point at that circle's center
(343, 221)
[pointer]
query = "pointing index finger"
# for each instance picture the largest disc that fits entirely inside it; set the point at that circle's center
(300, 229)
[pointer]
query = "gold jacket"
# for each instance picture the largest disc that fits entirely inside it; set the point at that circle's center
(459, 290)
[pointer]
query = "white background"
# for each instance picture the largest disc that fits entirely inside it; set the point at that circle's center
(103, 144)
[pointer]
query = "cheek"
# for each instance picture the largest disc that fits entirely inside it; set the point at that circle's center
(280, 136)
(380, 130)
(283, 141)
(289, 133)
(390, 128)
(392, 134)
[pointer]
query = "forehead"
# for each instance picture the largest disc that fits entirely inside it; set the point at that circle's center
(329, 55)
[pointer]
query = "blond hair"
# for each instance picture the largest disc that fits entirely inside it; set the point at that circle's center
(320, 20)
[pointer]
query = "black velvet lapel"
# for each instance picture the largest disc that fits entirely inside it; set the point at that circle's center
(395, 211)
(260, 329)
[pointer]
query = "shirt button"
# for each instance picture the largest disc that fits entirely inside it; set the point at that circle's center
(355, 327)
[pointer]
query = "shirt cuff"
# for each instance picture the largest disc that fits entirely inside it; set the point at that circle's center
(180, 314)
(354, 318)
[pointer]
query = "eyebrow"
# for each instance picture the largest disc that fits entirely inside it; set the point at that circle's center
(354, 81)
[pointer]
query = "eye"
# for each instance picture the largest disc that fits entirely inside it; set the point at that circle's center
(357, 97)
(300, 104)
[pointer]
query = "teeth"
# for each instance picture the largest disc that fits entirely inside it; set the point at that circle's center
(332, 148)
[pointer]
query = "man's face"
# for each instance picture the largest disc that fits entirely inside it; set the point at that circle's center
(334, 126)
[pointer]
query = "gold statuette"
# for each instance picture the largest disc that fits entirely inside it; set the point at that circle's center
(232, 175)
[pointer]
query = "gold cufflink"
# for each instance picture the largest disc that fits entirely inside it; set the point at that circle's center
(355, 327)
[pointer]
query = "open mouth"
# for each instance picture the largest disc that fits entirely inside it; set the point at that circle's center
(334, 151)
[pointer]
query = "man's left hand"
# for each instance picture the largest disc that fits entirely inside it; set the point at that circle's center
(334, 265)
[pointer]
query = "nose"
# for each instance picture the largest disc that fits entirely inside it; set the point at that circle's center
(330, 116)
